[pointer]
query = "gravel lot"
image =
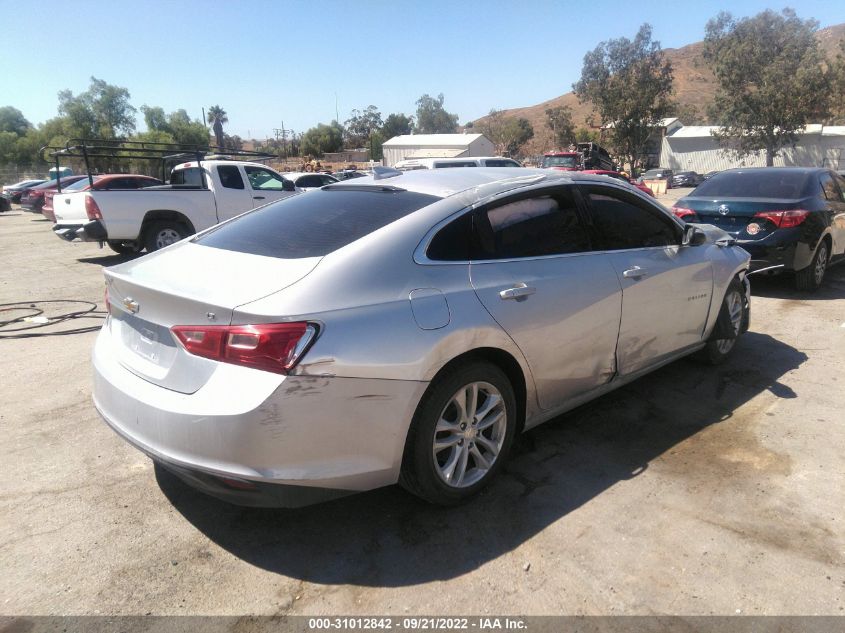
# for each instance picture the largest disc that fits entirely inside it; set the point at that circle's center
(695, 490)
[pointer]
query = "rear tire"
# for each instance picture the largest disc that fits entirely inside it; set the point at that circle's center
(164, 233)
(461, 434)
(734, 307)
(810, 278)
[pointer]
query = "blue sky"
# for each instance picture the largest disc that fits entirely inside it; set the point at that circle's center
(266, 62)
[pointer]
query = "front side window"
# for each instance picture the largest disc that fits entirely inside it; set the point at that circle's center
(263, 179)
(547, 224)
(622, 221)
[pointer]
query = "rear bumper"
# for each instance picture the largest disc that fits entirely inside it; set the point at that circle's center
(254, 438)
(92, 231)
(784, 249)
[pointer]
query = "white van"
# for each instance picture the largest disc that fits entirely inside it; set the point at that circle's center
(439, 163)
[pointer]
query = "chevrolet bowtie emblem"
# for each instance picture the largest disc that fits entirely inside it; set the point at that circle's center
(130, 304)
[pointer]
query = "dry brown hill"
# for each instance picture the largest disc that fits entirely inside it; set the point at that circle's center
(695, 85)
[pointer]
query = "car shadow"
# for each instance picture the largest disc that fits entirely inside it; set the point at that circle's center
(388, 538)
(109, 260)
(783, 286)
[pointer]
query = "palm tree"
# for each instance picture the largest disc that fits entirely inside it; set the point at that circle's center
(216, 118)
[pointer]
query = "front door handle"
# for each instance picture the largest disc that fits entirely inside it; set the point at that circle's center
(634, 273)
(520, 291)
(258, 197)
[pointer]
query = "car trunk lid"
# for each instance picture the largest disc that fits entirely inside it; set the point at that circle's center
(186, 284)
(736, 215)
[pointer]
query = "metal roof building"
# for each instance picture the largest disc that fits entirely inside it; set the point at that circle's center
(693, 148)
(435, 146)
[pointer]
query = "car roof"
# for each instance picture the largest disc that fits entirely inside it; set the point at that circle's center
(447, 182)
(772, 170)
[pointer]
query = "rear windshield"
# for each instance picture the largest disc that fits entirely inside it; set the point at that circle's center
(784, 183)
(190, 176)
(79, 184)
(314, 224)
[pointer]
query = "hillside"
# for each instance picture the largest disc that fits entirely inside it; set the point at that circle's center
(695, 85)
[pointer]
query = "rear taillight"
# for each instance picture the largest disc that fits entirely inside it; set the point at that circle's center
(784, 219)
(92, 210)
(684, 214)
(272, 347)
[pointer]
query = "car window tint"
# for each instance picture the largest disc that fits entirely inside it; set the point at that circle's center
(829, 190)
(535, 226)
(191, 176)
(327, 180)
(313, 225)
(501, 163)
(230, 176)
(775, 183)
(466, 163)
(622, 221)
(309, 181)
(263, 179)
(840, 181)
(452, 242)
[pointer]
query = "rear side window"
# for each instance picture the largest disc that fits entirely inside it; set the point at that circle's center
(309, 181)
(230, 176)
(776, 183)
(830, 191)
(314, 224)
(621, 221)
(501, 163)
(547, 224)
(465, 163)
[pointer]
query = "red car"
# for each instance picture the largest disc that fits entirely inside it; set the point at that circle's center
(104, 182)
(618, 176)
(33, 199)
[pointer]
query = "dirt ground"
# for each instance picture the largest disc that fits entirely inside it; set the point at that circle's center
(695, 490)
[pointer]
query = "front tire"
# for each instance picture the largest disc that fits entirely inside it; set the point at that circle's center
(164, 233)
(809, 279)
(735, 311)
(461, 434)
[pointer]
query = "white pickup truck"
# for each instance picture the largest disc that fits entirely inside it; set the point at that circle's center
(200, 194)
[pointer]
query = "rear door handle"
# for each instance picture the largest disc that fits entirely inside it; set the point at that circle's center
(634, 273)
(258, 197)
(519, 291)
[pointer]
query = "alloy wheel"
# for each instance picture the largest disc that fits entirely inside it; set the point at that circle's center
(469, 434)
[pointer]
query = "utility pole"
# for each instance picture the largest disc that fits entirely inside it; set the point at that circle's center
(282, 133)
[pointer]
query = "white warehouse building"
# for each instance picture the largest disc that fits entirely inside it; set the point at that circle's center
(693, 148)
(435, 146)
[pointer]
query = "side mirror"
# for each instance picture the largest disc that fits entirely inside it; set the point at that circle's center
(693, 236)
(287, 185)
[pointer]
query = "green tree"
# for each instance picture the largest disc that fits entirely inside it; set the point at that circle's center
(688, 114)
(771, 80)
(586, 135)
(508, 134)
(361, 125)
(629, 83)
(838, 84)
(559, 121)
(13, 120)
(216, 118)
(396, 125)
(432, 117)
(323, 138)
(103, 111)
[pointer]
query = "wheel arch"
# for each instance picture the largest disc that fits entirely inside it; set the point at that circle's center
(165, 214)
(504, 361)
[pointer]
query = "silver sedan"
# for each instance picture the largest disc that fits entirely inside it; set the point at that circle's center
(403, 328)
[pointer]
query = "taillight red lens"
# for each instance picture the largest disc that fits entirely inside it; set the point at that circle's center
(272, 347)
(92, 210)
(784, 219)
(682, 213)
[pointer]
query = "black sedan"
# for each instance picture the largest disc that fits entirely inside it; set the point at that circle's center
(687, 179)
(788, 218)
